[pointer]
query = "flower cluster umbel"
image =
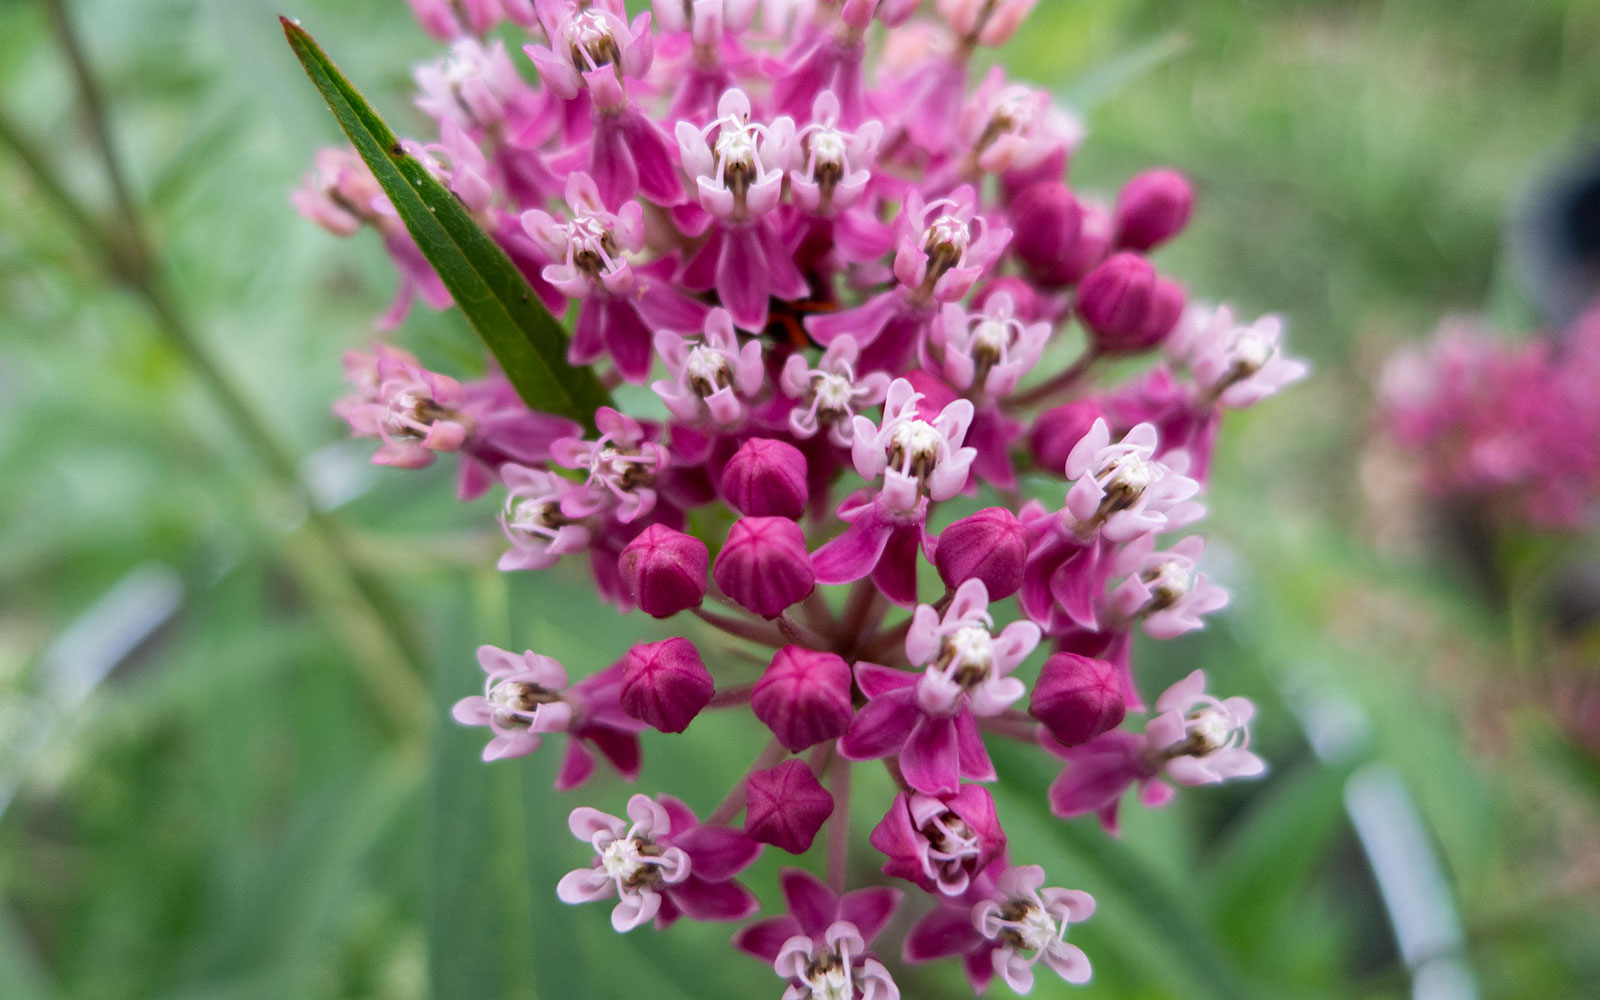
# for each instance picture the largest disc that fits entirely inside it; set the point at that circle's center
(864, 295)
(1513, 426)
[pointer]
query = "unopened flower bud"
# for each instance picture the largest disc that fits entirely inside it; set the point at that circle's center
(1077, 698)
(804, 697)
(785, 806)
(990, 545)
(1058, 430)
(1046, 241)
(665, 684)
(1127, 306)
(766, 478)
(1152, 208)
(764, 566)
(664, 571)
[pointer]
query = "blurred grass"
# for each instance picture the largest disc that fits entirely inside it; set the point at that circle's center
(228, 817)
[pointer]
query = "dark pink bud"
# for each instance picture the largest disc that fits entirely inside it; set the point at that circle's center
(990, 545)
(1165, 311)
(664, 571)
(764, 566)
(1090, 248)
(785, 806)
(1058, 430)
(1077, 698)
(766, 478)
(1152, 208)
(804, 697)
(1049, 222)
(665, 684)
(1120, 304)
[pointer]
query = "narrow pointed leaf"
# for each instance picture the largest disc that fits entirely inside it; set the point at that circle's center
(526, 340)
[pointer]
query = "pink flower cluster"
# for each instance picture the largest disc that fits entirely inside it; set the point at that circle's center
(862, 295)
(1515, 425)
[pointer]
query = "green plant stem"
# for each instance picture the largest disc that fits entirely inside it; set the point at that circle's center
(384, 651)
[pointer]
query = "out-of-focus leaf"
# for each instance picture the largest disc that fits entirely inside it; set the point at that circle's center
(1104, 81)
(476, 906)
(526, 340)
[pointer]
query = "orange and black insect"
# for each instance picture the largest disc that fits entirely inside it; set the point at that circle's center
(786, 319)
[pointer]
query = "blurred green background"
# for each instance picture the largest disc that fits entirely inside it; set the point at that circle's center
(264, 798)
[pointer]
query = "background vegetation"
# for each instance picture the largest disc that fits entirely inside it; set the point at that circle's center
(264, 797)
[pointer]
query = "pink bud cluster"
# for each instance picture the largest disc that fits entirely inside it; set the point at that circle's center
(1515, 426)
(862, 295)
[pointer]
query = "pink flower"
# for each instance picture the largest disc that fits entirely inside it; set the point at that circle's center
(1237, 366)
(526, 695)
(1152, 208)
(989, 351)
(1162, 589)
(915, 457)
(713, 378)
(738, 169)
(1121, 490)
(929, 721)
(416, 412)
(522, 698)
(533, 521)
(1194, 739)
(659, 865)
(1028, 925)
(622, 468)
(830, 165)
(472, 86)
(1203, 740)
(821, 945)
(620, 302)
(766, 478)
(940, 842)
(830, 393)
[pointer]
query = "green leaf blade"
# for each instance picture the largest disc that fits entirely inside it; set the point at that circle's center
(528, 342)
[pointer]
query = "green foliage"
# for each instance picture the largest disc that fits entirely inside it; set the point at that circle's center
(529, 343)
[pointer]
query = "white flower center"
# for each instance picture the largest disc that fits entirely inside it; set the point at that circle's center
(991, 336)
(1037, 929)
(622, 859)
(947, 236)
(1208, 730)
(833, 392)
(706, 370)
(971, 652)
(1250, 351)
(589, 34)
(1168, 581)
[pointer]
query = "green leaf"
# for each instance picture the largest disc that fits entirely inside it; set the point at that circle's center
(528, 342)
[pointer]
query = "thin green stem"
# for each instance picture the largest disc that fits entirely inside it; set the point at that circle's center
(384, 650)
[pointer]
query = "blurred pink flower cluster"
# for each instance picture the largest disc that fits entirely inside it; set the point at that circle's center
(1516, 425)
(863, 294)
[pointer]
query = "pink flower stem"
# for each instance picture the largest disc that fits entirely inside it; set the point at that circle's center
(799, 634)
(1023, 729)
(839, 825)
(729, 807)
(864, 598)
(1066, 380)
(732, 696)
(817, 613)
(759, 632)
(884, 642)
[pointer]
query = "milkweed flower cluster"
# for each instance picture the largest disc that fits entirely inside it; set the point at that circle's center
(863, 294)
(1514, 426)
